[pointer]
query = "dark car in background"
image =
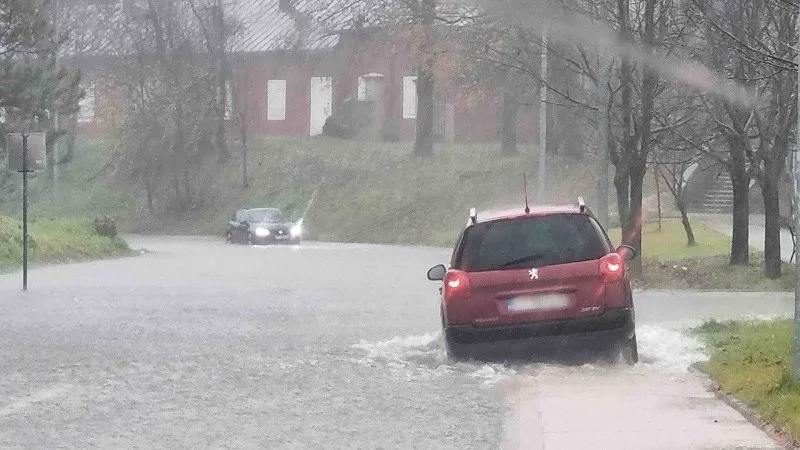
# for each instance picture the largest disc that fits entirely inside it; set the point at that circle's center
(547, 276)
(263, 226)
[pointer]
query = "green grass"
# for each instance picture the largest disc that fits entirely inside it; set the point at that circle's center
(378, 192)
(753, 362)
(669, 263)
(85, 189)
(367, 191)
(56, 241)
(669, 243)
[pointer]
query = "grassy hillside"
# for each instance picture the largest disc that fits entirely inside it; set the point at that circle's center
(367, 191)
(56, 241)
(753, 362)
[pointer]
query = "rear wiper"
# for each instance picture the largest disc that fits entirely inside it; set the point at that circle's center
(524, 259)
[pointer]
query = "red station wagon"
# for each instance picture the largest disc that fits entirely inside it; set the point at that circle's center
(548, 275)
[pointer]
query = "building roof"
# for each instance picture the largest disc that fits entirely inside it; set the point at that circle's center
(264, 27)
(107, 27)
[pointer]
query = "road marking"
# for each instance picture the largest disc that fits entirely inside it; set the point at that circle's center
(55, 391)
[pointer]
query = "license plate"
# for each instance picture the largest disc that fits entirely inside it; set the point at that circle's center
(282, 237)
(538, 303)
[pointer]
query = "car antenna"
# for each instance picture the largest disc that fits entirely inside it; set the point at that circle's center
(525, 182)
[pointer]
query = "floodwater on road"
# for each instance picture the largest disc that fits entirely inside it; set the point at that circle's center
(202, 344)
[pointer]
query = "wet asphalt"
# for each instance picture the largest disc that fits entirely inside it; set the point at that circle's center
(197, 344)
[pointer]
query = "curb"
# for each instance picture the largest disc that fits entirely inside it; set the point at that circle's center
(740, 407)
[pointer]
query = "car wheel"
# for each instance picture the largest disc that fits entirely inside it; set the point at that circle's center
(229, 237)
(630, 351)
(455, 351)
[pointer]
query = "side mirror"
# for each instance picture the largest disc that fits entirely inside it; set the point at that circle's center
(437, 273)
(627, 252)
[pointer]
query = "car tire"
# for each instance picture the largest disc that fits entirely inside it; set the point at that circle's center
(455, 351)
(228, 237)
(630, 351)
(622, 352)
(250, 238)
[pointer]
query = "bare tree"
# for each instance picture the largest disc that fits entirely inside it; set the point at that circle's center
(750, 41)
(245, 113)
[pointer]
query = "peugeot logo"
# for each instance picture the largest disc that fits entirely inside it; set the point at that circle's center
(534, 274)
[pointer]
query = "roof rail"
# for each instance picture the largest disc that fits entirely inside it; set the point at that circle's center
(473, 216)
(582, 204)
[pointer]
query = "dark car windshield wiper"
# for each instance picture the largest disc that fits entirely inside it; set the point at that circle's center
(524, 259)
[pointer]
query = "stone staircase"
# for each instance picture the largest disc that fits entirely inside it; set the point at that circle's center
(719, 197)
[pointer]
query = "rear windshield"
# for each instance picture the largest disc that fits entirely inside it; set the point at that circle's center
(531, 242)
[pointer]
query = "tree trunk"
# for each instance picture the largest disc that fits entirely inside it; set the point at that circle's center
(219, 135)
(508, 131)
(245, 180)
(222, 82)
(638, 172)
(658, 195)
(740, 240)
(772, 226)
(149, 190)
(622, 186)
(687, 226)
(69, 154)
(423, 145)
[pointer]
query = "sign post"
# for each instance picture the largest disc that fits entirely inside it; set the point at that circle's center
(26, 153)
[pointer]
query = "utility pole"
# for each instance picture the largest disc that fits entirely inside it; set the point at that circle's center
(796, 179)
(52, 157)
(540, 194)
(603, 179)
(25, 212)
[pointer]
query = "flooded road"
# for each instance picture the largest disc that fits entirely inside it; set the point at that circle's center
(203, 344)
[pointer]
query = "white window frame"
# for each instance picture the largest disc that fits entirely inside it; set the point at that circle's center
(276, 100)
(86, 105)
(410, 97)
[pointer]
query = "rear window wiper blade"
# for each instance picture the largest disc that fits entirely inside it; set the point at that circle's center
(524, 259)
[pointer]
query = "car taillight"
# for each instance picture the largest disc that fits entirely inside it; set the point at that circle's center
(612, 267)
(456, 285)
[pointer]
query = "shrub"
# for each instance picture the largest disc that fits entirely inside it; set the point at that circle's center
(106, 226)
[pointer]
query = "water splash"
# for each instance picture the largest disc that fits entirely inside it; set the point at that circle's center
(424, 356)
(670, 349)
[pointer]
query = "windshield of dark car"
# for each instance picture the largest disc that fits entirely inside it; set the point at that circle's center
(266, 216)
(530, 242)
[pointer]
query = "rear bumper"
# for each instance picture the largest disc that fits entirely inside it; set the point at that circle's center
(608, 328)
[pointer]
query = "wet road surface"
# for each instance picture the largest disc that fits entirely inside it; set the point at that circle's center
(204, 344)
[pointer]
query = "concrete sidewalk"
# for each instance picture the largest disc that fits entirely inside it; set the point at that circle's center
(643, 408)
(724, 224)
